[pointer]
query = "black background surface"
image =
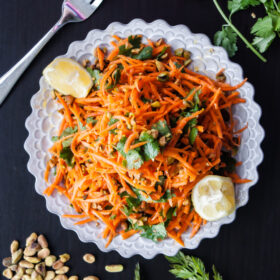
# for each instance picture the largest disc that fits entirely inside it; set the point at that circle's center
(249, 248)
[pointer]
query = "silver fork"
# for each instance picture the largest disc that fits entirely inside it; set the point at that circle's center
(72, 11)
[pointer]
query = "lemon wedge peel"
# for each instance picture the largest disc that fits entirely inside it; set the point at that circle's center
(213, 197)
(68, 77)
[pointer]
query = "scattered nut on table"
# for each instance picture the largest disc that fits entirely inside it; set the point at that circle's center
(49, 261)
(14, 246)
(89, 258)
(114, 268)
(64, 257)
(8, 273)
(91, 278)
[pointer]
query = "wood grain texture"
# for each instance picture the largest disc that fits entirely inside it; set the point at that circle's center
(249, 248)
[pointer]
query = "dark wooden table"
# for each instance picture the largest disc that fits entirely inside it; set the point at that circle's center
(249, 248)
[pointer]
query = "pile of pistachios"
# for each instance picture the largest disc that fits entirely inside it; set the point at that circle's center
(35, 262)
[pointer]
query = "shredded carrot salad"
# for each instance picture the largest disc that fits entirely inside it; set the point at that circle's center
(130, 153)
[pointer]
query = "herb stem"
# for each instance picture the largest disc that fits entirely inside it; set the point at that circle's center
(248, 44)
(276, 6)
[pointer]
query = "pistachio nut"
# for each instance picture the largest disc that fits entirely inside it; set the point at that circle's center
(29, 271)
(62, 270)
(30, 239)
(114, 268)
(57, 265)
(64, 257)
(163, 77)
(32, 249)
(7, 261)
(16, 256)
(50, 260)
(42, 241)
(156, 104)
(26, 277)
(26, 264)
(41, 269)
(43, 253)
(91, 278)
(19, 273)
(32, 259)
(89, 258)
(74, 277)
(7, 273)
(14, 246)
(160, 66)
(49, 275)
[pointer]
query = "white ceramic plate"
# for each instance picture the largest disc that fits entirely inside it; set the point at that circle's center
(44, 120)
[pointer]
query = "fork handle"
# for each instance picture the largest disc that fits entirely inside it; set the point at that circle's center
(8, 80)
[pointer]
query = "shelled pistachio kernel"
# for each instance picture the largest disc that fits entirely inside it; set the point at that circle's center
(14, 246)
(32, 249)
(163, 77)
(30, 239)
(89, 258)
(7, 273)
(19, 273)
(57, 265)
(43, 253)
(7, 261)
(49, 261)
(62, 270)
(64, 257)
(16, 256)
(73, 277)
(34, 260)
(49, 275)
(114, 268)
(29, 271)
(91, 278)
(41, 269)
(43, 241)
(26, 264)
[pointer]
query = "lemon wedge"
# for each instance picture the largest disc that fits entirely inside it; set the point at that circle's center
(68, 77)
(213, 197)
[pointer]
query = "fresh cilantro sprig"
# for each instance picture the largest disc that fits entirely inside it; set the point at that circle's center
(189, 267)
(226, 39)
(265, 30)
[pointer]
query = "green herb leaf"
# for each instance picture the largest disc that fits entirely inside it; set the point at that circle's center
(216, 274)
(187, 267)
(137, 272)
(227, 38)
(124, 51)
(135, 41)
(163, 128)
(154, 232)
(133, 202)
(134, 159)
(67, 155)
(263, 27)
(263, 43)
(193, 134)
(237, 5)
(151, 150)
(112, 121)
(91, 120)
(146, 53)
(96, 75)
(67, 142)
(120, 146)
(66, 132)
